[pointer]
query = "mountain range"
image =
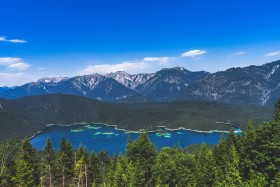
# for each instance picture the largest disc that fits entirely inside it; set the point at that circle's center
(249, 85)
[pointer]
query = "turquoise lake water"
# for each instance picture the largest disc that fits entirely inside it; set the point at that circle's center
(97, 137)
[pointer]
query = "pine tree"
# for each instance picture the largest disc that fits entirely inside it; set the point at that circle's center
(65, 163)
(206, 171)
(144, 152)
(48, 165)
(232, 175)
(256, 180)
(220, 154)
(26, 166)
(164, 170)
(276, 112)
(267, 149)
(8, 153)
(120, 177)
(247, 146)
(103, 166)
(81, 167)
(93, 169)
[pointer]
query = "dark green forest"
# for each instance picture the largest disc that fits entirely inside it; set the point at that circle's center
(250, 160)
(25, 116)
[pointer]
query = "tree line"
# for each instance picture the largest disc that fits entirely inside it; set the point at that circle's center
(249, 159)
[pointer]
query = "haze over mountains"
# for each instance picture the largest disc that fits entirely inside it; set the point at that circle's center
(249, 85)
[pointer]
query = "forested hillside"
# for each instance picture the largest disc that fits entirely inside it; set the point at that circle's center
(249, 160)
(27, 115)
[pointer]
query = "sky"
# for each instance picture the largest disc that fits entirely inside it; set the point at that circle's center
(49, 38)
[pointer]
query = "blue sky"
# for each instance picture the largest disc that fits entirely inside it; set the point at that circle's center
(46, 38)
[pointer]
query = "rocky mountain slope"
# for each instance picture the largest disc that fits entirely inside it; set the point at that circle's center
(249, 85)
(93, 86)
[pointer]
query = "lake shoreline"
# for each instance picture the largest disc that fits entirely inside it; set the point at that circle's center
(133, 131)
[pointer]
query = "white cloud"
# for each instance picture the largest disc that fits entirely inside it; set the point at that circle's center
(15, 78)
(161, 60)
(275, 53)
(4, 39)
(19, 66)
(147, 64)
(237, 54)
(131, 67)
(193, 53)
(9, 60)
(14, 63)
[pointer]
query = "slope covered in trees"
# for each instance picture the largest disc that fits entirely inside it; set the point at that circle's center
(25, 116)
(250, 159)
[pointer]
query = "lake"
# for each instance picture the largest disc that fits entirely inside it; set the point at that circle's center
(97, 137)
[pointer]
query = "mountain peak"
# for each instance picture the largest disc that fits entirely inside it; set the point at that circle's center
(177, 68)
(52, 80)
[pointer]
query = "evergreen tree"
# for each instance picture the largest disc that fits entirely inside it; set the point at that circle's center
(8, 152)
(26, 166)
(247, 147)
(139, 175)
(276, 180)
(65, 163)
(206, 171)
(48, 165)
(81, 167)
(220, 154)
(174, 168)
(120, 176)
(164, 170)
(232, 175)
(256, 180)
(144, 152)
(103, 166)
(112, 169)
(267, 150)
(93, 169)
(276, 112)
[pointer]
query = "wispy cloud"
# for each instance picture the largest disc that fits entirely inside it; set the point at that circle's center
(161, 60)
(9, 60)
(275, 53)
(13, 63)
(131, 67)
(15, 78)
(193, 53)
(147, 64)
(19, 66)
(4, 39)
(237, 54)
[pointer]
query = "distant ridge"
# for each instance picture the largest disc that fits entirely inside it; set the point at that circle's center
(249, 85)
(27, 115)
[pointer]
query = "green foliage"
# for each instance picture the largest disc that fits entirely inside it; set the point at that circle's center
(81, 167)
(8, 152)
(205, 167)
(251, 159)
(26, 166)
(247, 145)
(267, 149)
(276, 112)
(65, 163)
(174, 168)
(48, 168)
(26, 116)
(257, 180)
(144, 152)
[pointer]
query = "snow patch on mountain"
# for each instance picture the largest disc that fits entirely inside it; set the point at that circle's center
(274, 69)
(52, 80)
(130, 81)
